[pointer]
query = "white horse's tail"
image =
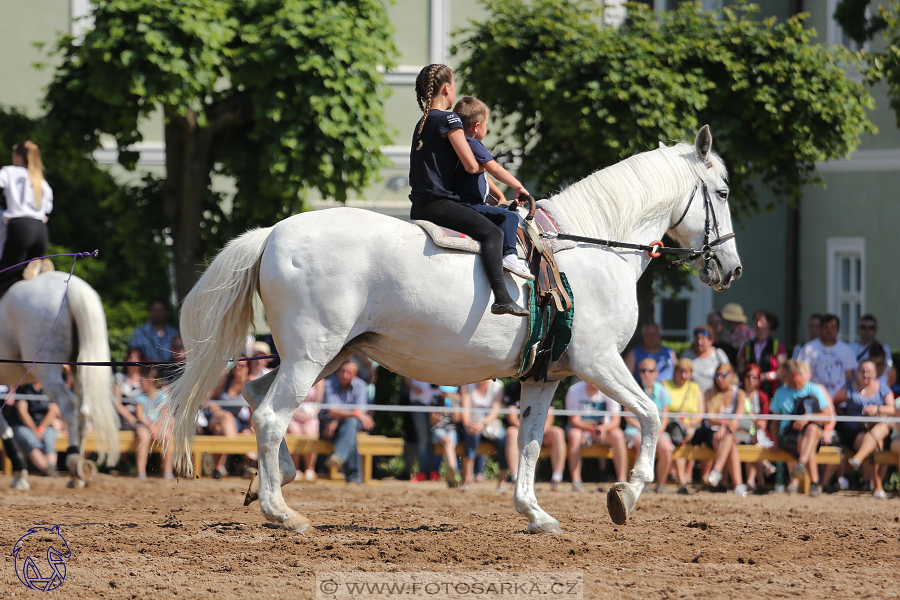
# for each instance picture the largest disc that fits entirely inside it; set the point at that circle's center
(215, 319)
(95, 383)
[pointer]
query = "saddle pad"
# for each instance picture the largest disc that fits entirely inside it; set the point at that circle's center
(449, 239)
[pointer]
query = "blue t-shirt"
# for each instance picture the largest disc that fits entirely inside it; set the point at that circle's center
(786, 399)
(856, 402)
(431, 167)
(665, 362)
(356, 393)
(472, 187)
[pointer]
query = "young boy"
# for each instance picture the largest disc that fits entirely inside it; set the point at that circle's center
(477, 190)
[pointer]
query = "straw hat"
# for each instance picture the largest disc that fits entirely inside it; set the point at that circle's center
(733, 312)
(260, 348)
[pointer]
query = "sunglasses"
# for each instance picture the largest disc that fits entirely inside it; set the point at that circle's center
(723, 375)
(701, 332)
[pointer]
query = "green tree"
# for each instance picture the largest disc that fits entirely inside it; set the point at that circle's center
(862, 25)
(282, 95)
(577, 96)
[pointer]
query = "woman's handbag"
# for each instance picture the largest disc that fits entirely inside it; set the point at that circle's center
(492, 430)
(677, 432)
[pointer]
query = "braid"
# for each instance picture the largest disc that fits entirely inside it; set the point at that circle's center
(429, 93)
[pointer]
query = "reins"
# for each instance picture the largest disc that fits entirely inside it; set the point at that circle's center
(656, 249)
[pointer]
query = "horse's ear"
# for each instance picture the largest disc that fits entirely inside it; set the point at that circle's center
(661, 145)
(703, 143)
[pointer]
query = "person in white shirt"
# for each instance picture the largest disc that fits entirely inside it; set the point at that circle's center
(29, 199)
(813, 325)
(584, 430)
(832, 361)
(868, 329)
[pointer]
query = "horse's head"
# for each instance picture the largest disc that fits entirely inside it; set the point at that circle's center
(703, 220)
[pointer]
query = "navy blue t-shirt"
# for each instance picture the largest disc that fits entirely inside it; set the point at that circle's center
(472, 187)
(431, 167)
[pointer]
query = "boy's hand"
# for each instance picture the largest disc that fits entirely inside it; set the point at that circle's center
(521, 191)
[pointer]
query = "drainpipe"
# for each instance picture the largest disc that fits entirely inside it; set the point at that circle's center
(792, 270)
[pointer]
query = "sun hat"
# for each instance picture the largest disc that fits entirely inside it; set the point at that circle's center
(733, 312)
(260, 348)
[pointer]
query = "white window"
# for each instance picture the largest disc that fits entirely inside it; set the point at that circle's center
(678, 315)
(846, 280)
(81, 19)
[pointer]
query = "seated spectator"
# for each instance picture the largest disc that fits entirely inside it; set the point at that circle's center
(127, 386)
(651, 347)
(866, 397)
(481, 404)
(813, 326)
(341, 425)
(554, 437)
(154, 338)
(752, 430)
(664, 448)
(725, 398)
(148, 405)
(444, 433)
(867, 327)
(764, 351)
(32, 422)
(688, 400)
(258, 366)
(705, 358)
(800, 437)
(170, 372)
(229, 413)
(716, 325)
(736, 323)
(422, 394)
(306, 422)
(582, 431)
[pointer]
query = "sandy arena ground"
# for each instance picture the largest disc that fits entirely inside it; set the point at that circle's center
(194, 539)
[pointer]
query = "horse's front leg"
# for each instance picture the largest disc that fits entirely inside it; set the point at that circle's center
(608, 372)
(534, 405)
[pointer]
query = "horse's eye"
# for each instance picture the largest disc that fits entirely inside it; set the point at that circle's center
(722, 194)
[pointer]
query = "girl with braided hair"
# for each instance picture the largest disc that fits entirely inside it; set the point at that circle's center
(438, 145)
(29, 200)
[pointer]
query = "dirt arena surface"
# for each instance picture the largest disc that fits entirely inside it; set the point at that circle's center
(194, 539)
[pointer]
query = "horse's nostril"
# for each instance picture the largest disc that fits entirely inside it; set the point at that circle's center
(736, 273)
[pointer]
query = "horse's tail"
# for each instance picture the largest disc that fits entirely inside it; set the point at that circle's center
(216, 316)
(96, 383)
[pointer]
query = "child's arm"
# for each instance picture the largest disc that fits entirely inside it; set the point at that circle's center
(461, 146)
(504, 176)
(495, 196)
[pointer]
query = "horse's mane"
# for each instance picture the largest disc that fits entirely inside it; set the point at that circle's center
(611, 202)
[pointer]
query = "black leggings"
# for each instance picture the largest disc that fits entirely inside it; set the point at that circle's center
(26, 238)
(463, 219)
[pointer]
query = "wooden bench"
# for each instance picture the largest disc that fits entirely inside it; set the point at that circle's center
(368, 446)
(827, 455)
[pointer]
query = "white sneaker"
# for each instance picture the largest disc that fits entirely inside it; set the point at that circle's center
(713, 479)
(741, 490)
(843, 483)
(514, 265)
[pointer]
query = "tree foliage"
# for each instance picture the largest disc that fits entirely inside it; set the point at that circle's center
(862, 27)
(578, 96)
(283, 95)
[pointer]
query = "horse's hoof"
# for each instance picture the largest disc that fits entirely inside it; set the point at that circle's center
(76, 483)
(20, 481)
(298, 524)
(86, 470)
(252, 490)
(616, 503)
(547, 526)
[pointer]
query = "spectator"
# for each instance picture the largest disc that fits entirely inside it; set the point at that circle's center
(813, 326)
(716, 325)
(651, 348)
(229, 413)
(862, 348)
(585, 430)
(724, 398)
(764, 351)
(486, 397)
(32, 422)
(705, 358)
(258, 366)
(866, 397)
(444, 433)
(752, 430)
(660, 397)
(149, 403)
(341, 425)
(306, 422)
(154, 338)
(686, 398)
(801, 437)
(172, 371)
(127, 387)
(421, 395)
(554, 436)
(831, 361)
(736, 322)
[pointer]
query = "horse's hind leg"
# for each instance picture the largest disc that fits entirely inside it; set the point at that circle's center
(80, 469)
(614, 379)
(535, 403)
(270, 420)
(254, 392)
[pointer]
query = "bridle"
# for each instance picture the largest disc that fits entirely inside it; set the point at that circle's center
(656, 248)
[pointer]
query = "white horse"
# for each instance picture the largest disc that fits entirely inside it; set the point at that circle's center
(27, 312)
(336, 281)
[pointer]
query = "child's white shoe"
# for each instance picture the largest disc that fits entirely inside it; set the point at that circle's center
(514, 265)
